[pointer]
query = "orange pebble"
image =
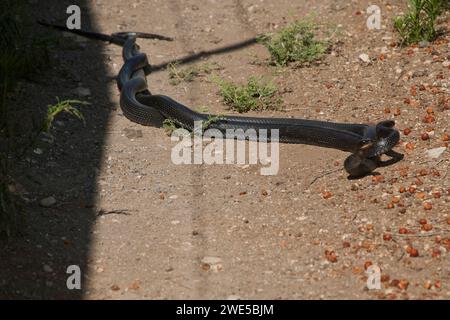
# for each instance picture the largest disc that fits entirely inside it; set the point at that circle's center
(327, 194)
(425, 136)
(427, 206)
(409, 146)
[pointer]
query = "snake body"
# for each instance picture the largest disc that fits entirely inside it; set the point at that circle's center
(366, 143)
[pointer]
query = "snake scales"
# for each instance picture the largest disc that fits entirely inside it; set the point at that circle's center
(366, 143)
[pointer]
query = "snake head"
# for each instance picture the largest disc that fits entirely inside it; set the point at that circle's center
(384, 137)
(377, 140)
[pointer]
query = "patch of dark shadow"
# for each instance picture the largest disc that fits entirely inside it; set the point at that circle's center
(61, 168)
(205, 53)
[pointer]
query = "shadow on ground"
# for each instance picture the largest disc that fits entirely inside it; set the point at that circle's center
(33, 266)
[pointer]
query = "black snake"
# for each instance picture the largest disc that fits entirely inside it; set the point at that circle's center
(366, 143)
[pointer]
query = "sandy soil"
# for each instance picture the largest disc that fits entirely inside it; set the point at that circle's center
(225, 231)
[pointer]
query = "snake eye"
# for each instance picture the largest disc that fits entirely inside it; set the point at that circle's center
(365, 144)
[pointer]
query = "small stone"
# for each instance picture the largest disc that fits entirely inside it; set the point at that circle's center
(47, 268)
(436, 152)
(134, 286)
(403, 284)
(252, 8)
(133, 133)
(424, 44)
(419, 73)
(83, 92)
(364, 57)
(38, 151)
(234, 297)
(80, 39)
(47, 202)
(212, 263)
(331, 256)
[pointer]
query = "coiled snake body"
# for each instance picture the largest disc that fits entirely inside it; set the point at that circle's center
(366, 143)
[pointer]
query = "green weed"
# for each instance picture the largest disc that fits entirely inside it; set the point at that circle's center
(294, 43)
(419, 23)
(257, 94)
(188, 74)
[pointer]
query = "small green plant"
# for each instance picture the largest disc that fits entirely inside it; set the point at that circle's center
(257, 94)
(62, 106)
(188, 74)
(170, 125)
(53, 110)
(419, 23)
(202, 109)
(22, 54)
(294, 43)
(211, 119)
(10, 213)
(206, 124)
(9, 209)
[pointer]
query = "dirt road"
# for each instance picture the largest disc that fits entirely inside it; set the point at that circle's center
(226, 231)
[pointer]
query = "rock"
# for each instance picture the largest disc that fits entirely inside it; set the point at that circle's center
(133, 133)
(83, 92)
(47, 268)
(47, 202)
(252, 8)
(446, 63)
(423, 44)
(212, 263)
(80, 39)
(364, 57)
(134, 286)
(419, 73)
(234, 297)
(436, 152)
